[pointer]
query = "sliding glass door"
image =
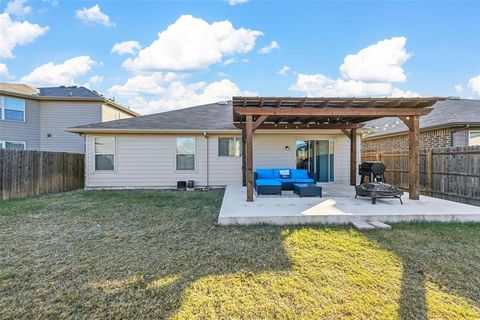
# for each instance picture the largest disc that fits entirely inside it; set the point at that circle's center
(316, 156)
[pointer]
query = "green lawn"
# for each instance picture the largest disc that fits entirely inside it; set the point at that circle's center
(156, 255)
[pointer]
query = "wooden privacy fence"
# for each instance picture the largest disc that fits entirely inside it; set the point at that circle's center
(25, 173)
(449, 173)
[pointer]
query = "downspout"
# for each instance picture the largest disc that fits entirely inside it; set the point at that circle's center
(455, 131)
(208, 163)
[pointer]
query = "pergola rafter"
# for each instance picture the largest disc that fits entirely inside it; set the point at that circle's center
(345, 114)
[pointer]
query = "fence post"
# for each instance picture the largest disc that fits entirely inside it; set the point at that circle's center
(428, 172)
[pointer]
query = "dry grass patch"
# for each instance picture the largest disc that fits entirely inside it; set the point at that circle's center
(160, 254)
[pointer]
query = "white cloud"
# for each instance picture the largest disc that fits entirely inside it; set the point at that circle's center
(458, 88)
(15, 33)
(177, 95)
(229, 61)
(235, 2)
(474, 84)
(4, 74)
(94, 15)
(358, 80)
(93, 81)
(59, 74)
(192, 43)
(272, 46)
(150, 84)
(380, 62)
(124, 47)
(284, 70)
(245, 60)
(320, 85)
(18, 8)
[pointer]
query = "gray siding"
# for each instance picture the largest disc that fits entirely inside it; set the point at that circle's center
(460, 138)
(28, 131)
(149, 160)
(55, 117)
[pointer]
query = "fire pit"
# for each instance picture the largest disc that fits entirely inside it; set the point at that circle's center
(378, 190)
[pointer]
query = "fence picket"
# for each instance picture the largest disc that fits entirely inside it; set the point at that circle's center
(25, 173)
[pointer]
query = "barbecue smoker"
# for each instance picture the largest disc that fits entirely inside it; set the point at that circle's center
(373, 170)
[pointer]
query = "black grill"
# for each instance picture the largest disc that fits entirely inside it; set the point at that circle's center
(374, 170)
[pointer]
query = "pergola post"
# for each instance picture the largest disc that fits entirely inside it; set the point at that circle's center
(353, 157)
(244, 162)
(249, 156)
(414, 158)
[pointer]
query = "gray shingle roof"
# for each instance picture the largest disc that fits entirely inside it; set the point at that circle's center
(214, 116)
(446, 113)
(72, 91)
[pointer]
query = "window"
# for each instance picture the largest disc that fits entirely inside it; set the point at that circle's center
(230, 147)
(474, 138)
(104, 153)
(185, 153)
(19, 145)
(12, 109)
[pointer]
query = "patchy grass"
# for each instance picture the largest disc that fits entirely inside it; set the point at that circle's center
(159, 254)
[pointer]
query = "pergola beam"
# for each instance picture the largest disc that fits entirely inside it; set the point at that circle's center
(331, 112)
(333, 126)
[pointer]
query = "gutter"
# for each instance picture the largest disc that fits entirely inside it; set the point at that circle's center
(145, 131)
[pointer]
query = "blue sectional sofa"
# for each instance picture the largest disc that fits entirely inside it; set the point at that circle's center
(269, 181)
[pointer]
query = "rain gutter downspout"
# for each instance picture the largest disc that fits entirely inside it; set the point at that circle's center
(208, 163)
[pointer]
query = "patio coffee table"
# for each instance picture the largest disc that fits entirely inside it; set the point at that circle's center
(307, 190)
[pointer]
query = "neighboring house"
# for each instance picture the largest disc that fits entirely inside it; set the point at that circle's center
(36, 118)
(202, 144)
(453, 122)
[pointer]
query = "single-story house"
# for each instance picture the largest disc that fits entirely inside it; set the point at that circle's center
(453, 122)
(222, 143)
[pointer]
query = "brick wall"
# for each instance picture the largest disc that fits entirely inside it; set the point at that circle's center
(428, 140)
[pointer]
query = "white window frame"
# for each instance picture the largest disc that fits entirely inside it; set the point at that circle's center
(4, 144)
(3, 108)
(95, 153)
(469, 132)
(194, 156)
(236, 138)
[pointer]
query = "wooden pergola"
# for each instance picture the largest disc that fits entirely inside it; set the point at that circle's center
(345, 114)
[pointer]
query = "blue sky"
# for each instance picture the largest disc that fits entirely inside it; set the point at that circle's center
(212, 50)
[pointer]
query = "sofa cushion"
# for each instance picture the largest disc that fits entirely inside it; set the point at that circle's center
(267, 182)
(308, 180)
(299, 174)
(265, 174)
(286, 180)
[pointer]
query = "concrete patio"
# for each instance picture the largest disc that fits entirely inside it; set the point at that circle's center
(337, 206)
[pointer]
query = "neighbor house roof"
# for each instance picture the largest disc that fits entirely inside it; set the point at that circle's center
(208, 117)
(61, 93)
(452, 112)
(70, 91)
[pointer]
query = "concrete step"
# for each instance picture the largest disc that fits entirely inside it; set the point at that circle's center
(380, 225)
(362, 225)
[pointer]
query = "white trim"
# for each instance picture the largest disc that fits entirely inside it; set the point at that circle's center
(195, 158)
(235, 138)
(468, 136)
(114, 155)
(3, 143)
(3, 108)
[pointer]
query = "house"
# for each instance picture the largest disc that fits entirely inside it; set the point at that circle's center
(36, 118)
(453, 122)
(206, 143)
